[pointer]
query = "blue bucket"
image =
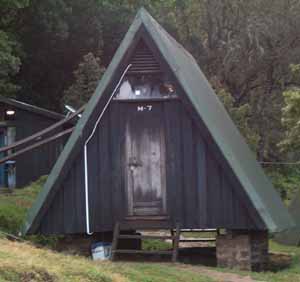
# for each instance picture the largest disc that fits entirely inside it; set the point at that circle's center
(101, 251)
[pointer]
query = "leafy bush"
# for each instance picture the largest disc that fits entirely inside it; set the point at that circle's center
(11, 218)
(286, 180)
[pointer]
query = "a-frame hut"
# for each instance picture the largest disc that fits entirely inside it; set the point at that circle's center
(161, 151)
(292, 235)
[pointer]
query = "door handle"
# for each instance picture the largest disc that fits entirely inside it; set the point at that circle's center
(135, 164)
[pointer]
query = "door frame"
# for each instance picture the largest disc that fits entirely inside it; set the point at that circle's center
(163, 166)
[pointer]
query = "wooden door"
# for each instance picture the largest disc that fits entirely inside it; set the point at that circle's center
(145, 159)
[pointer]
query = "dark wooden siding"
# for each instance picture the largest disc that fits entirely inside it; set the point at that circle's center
(201, 191)
(30, 166)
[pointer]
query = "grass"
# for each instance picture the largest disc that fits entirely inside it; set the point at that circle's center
(159, 272)
(20, 261)
(24, 262)
(153, 245)
(13, 209)
(289, 274)
(14, 205)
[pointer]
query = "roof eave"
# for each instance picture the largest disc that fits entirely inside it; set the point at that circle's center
(31, 108)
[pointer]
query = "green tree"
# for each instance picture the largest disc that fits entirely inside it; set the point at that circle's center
(241, 117)
(55, 35)
(291, 114)
(87, 77)
(9, 64)
(10, 61)
(247, 46)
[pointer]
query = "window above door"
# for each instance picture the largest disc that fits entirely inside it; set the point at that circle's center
(146, 87)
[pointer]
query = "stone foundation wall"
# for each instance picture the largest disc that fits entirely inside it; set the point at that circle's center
(243, 250)
(259, 251)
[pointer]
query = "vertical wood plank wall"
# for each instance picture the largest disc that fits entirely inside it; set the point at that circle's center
(32, 165)
(200, 191)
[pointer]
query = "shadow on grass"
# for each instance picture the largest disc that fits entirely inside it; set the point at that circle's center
(206, 256)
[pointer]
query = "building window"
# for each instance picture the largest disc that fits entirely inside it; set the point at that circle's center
(146, 87)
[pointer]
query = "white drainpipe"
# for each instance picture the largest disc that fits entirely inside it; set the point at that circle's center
(86, 176)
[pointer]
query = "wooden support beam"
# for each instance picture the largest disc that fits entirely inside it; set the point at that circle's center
(176, 244)
(198, 240)
(198, 230)
(35, 145)
(175, 237)
(121, 251)
(147, 218)
(146, 237)
(115, 240)
(39, 134)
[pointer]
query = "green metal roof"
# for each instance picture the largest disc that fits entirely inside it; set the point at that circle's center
(31, 108)
(230, 142)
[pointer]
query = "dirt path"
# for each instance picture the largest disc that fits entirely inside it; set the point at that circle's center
(218, 276)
